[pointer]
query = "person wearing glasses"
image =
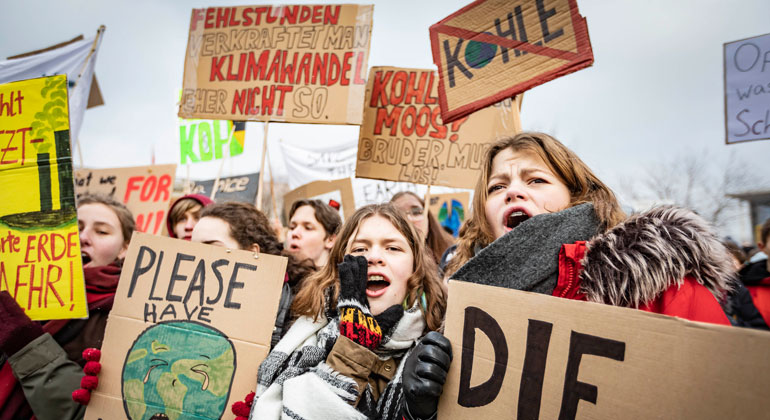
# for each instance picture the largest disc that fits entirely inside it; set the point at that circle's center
(436, 238)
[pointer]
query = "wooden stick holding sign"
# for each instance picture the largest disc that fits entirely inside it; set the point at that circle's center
(258, 204)
(221, 165)
(272, 185)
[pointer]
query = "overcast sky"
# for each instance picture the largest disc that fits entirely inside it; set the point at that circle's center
(655, 89)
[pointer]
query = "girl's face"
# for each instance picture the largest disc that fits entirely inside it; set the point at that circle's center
(184, 226)
(307, 237)
(391, 262)
(521, 186)
(214, 231)
(411, 206)
(101, 236)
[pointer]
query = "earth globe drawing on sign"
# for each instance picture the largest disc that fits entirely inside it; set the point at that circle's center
(451, 217)
(178, 371)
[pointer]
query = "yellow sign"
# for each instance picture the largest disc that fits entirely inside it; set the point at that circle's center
(40, 263)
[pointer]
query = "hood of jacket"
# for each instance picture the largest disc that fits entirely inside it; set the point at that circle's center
(637, 260)
(200, 198)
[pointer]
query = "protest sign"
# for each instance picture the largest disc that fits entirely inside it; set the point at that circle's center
(450, 209)
(340, 191)
(207, 140)
(241, 188)
(145, 190)
(40, 260)
(403, 139)
(747, 89)
(286, 63)
(494, 49)
(544, 357)
(175, 344)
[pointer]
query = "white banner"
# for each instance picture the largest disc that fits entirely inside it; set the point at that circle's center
(70, 60)
(306, 165)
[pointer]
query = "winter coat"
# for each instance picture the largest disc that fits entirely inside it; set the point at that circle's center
(666, 261)
(41, 376)
(756, 278)
(202, 199)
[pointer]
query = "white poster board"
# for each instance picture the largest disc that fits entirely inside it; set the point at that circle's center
(747, 89)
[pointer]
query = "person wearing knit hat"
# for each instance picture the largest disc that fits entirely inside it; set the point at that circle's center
(184, 214)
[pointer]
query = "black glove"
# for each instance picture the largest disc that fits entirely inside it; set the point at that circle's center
(424, 375)
(356, 321)
(16, 329)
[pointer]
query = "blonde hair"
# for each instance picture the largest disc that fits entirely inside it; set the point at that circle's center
(320, 290)
(583, 185)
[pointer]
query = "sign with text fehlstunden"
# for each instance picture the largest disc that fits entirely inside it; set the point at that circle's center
(747, 89)
(530, 356)
(290, 63)
(404, 139)
(190, 325)
(494, 49)
(145, 190)
(40, 261)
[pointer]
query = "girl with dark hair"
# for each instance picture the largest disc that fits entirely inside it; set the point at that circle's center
(313, 226)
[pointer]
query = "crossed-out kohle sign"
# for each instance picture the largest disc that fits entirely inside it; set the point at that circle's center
(529, 356)
(494, 49)
(190, 325)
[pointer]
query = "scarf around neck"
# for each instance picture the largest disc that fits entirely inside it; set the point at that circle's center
(527, 258)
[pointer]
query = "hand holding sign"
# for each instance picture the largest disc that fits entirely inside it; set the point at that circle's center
(424, 375)
(16, 329)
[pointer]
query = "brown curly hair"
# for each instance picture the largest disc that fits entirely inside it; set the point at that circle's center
(249, 226)
(311, 300)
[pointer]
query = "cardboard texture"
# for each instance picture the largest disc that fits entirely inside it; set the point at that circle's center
(190, 325)
(494, 49)
(403, 137)
(527, 356)
(145, 190)
(207, 140)
(241, 188)
(40, 263)
(287, 63)
(747, 112)
(339, 190)
(450, 209)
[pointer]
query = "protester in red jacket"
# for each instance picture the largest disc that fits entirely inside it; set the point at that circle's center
(756, 276)
(543, 222)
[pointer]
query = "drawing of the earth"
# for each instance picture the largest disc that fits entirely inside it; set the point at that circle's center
(178, 371)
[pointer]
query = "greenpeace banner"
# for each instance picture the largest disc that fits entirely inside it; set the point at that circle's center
(494, 49)
(145, 190)
(530, 356)
(207, 140)
(68, 60)
(40, 261)
(747, 85)
(404, 139)
(241, 188)
(190, 326)
(286, 63)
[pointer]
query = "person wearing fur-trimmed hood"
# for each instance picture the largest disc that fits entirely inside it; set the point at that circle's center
(543, 222)
(359, 347)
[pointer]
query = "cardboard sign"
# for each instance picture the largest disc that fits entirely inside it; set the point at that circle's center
(190, 325)
(403, 138)
(747, 86)
(207, 140)
(494, 49)
(286, 63)
(233, 188)
(340, 190)
(528, 356)
(40, 262)
(145, 190)
(450, 209)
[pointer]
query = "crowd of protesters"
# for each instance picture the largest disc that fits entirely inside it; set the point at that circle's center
(358, 333)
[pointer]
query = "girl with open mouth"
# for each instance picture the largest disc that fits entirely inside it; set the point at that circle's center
(543, 222)
(359, 349)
